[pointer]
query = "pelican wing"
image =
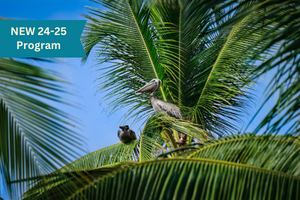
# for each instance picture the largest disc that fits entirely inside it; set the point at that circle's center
(171, 109)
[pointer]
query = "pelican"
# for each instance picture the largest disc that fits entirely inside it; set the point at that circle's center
(160, 106)
(126, 135)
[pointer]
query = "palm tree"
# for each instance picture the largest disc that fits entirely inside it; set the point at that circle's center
(33, 133)
(207, 54)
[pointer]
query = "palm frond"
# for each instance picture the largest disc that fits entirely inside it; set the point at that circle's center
(35, 137)
(202, 60)
(151, 144)
(220, 84)
(212, 65)
(127, 39)
(105, 157)
(110, 155)
(158, 135)
(187, 179)
(276, 153)
(281, 19)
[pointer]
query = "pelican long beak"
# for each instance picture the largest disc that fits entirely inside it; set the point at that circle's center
(149, 87)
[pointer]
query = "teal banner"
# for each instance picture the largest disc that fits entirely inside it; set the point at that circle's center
(41, 38)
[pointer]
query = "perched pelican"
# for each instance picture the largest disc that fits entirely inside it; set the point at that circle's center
(126, 134)
(160, 106)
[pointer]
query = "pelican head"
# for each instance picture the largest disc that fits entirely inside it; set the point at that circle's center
(152, 86)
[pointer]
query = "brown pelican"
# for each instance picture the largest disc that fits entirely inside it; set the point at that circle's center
(160, 106)
(126, 134)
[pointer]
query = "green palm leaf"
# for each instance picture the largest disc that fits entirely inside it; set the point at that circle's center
(151, 144)
(220, 82)
(33, 134)
(205, 94)
(128, 39)
(186, 179)
(281, 19)
(105, 157)
(276, 153)
(110, 155)
(203, 61)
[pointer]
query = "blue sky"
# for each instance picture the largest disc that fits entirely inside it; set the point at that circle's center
(99, 128)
